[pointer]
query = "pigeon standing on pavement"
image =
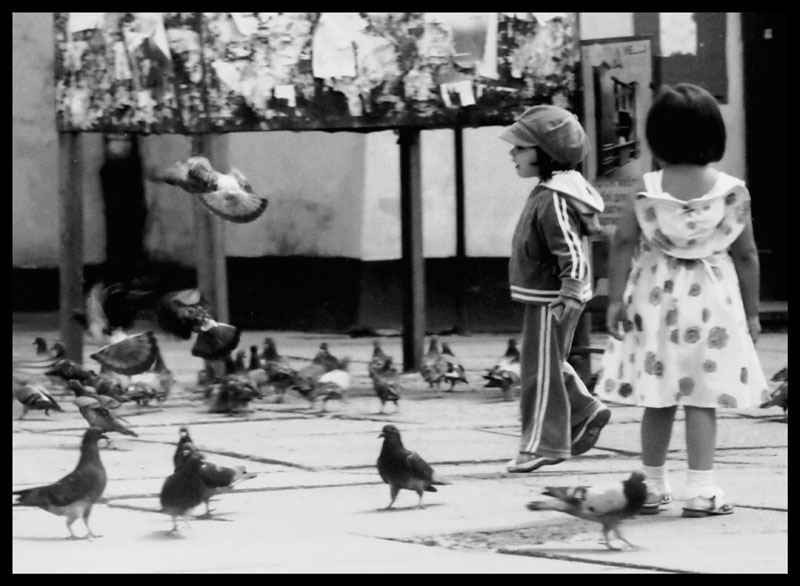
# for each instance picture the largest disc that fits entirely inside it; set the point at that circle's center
(434, 366)
(74, 495)
(455, 372)
(335, 383)
(325, 358)
(217, 479)
(229, 196)
(403, 469)
(505, 373)
(184, 489)
(35, 396)
(97, 415)
(386, 383)
(608, 504)
(280, 374)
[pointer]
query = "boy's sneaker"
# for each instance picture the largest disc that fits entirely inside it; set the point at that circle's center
(586, 434)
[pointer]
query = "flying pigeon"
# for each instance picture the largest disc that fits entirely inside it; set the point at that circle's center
(74, 495)
(385, 383)
(184, 312)
(217, 479)
(129, 355)
(608, 504)
(434, 366)
(112, 309)
(505, 373)
(184, 489)
(229, 196)
(455, 372)
(35, 396)
(403, 469)
(781, 375)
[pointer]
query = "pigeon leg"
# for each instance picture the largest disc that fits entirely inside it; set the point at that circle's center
(621, 538)
(606, 539)
(393, 490)
(419, 504)
(24, 411)
(70, 520)
(174, 526)
(86, 522)
(383, 404)
(207, 514)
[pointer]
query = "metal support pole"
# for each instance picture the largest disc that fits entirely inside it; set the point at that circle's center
(212, 277)
(461, 237)
(71, 236)
(413, 272)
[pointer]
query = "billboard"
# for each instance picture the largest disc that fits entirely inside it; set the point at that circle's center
(227, 72)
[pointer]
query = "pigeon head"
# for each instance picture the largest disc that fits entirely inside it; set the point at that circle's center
(183, 432)
(512, 343)
(390, 431)
(93, 435)
(40, 344)
(59, 349)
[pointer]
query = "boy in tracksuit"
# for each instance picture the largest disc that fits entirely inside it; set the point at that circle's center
(549, 272)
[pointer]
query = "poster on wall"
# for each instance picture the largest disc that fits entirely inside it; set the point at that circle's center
(250, 71)
(617, 79)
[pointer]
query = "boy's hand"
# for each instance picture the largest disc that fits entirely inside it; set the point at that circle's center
(616, 315)
(565, 308)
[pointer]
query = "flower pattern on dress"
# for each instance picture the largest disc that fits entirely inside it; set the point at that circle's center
(743, 375)
(649, 362)
(692, 334)
(730, 198)
(706, 314)
(650, 214)
(685, 386)
(658, 369)
(709, 366)
(625, 390)
(728, 401)
(674, 336)
(695, 289)
(637, 320)
(668, 284)
(655, 294)
(672, 316)
(717, 337)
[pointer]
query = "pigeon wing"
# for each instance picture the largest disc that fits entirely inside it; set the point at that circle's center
(132, 355)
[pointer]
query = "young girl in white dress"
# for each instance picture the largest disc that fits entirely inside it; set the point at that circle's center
(683, 297)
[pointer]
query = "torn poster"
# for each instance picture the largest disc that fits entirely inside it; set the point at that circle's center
(333, 50)
(84, 21)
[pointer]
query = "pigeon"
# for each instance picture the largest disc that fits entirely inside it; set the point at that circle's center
(779, 397)
(233, 396)
(229, 196)
(334, 384)
(82, 390)
(305, 381)
(217, 479)
(184, 489)
(434, 366)
(184, 312)
(74, 495)
(505, 373)
(781, 375)
(280, 374)
(100, 416)
(112, 309)
(385, 383)
(155, 383)
(35, 396)
(129, 355)
(455, 372)
(65, 370)
(379, 359)
(41, 346)
(325, 358)
(608, 504)
(403, 469)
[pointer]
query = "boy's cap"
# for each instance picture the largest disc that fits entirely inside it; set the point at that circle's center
(556, 130)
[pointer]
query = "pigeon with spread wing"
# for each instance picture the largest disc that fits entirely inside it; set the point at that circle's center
(608, 504)
(229, 196)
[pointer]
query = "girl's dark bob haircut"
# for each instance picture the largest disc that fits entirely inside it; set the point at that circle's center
(685, 125)
(548, 165)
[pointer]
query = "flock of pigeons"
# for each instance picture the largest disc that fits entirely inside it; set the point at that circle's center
(132, 368)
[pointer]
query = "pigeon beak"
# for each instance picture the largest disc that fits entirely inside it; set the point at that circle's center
(381, 435)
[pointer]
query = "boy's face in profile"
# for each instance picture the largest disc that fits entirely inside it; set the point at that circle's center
(526, 161)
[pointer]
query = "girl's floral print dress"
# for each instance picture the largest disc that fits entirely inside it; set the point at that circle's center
(686, 339)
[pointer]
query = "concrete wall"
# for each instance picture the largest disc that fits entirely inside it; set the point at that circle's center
(331, 194)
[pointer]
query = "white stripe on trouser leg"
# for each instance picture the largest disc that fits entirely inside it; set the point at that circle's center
(542, 381)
